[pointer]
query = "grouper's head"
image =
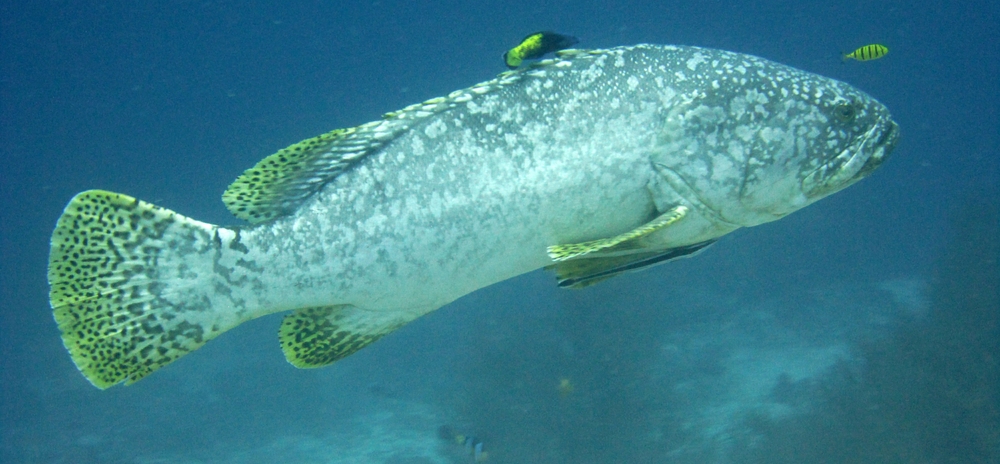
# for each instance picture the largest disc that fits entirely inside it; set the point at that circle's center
(760, 140)
(834, 135)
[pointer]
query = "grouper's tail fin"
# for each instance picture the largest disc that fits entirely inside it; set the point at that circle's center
(132, 285)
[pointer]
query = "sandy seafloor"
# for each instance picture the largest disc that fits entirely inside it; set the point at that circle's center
(760, 359)
(741, 359)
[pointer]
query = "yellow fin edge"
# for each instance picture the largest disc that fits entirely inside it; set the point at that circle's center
(563, 252)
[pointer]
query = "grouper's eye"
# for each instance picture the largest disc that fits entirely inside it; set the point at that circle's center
(845, 112)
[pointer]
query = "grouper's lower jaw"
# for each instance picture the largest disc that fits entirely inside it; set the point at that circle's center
(854, 163)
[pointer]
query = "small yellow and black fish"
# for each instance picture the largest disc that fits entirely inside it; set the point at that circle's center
(868, 52)
(536, 45)
(473, 446)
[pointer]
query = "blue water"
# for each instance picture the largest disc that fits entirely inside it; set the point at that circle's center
(861, 329)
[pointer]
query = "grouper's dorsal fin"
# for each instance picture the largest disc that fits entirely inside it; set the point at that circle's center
(281, 182)
(278, 184)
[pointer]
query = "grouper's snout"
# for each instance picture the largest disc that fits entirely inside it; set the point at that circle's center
(855, 162)
(881, 149)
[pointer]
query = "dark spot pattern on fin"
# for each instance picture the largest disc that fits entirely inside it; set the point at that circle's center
(279, 183)
(105, 261)
(317, 337)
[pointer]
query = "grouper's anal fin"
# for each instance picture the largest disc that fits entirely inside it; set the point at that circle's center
(584, 272)
(317, 337)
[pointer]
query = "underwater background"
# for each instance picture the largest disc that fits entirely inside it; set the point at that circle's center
(861, 329)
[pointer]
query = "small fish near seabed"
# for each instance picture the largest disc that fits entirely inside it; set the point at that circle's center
(591, 164)
(472, 446)
(565, 387)
(867, 53)
(537, 45)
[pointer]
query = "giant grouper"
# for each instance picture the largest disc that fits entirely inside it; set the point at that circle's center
(591, 164)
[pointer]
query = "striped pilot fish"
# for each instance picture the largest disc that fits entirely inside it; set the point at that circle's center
(590, 164)
(867, 53)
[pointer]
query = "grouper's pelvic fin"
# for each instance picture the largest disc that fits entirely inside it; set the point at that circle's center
(125, 286)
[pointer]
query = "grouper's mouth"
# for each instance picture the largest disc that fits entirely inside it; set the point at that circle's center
(854, 163)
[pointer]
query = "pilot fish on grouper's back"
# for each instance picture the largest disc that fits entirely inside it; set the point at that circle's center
(537, 45)
(591, 164)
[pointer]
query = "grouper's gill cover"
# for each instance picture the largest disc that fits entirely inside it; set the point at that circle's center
(591, 164)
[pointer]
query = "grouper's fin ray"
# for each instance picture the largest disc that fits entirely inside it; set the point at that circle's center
(121, 288)
(316, 337)
(563, 252)
(279, 183)
(276, 185)
(584, 272)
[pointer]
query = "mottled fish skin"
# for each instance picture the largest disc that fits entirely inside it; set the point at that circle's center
(455, 194)
(585, 146)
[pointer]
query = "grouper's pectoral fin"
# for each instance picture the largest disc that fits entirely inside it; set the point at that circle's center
(563, 252)
(316, 337)
(584, 272)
